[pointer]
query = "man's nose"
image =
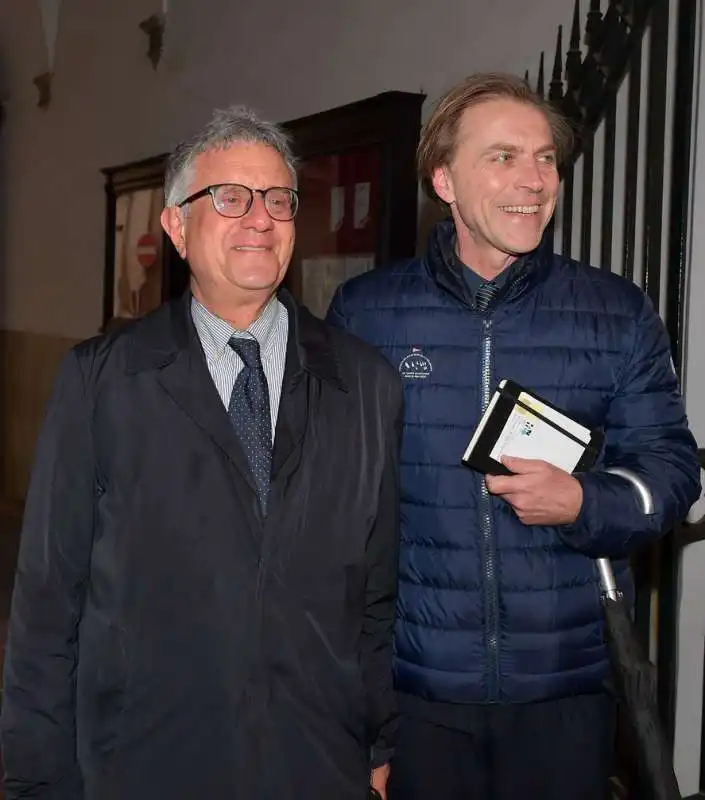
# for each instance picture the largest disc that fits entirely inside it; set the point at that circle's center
(257, 216)
(531, 178)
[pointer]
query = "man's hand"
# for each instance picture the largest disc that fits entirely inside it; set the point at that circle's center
(379, 778)
(539, 493)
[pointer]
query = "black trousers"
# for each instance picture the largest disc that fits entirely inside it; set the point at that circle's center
(553, 750)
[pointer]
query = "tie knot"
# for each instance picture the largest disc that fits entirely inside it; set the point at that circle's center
(485, 294)
(247, 349)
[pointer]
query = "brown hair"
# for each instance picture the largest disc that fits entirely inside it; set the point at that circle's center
(438, 137)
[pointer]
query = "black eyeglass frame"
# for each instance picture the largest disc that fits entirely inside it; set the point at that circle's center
(211, 190)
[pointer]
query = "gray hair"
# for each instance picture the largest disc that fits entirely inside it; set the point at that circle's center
(228, 126)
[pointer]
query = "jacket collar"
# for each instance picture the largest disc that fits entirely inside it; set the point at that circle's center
(311, 347)
(444, 267)
(157, 340)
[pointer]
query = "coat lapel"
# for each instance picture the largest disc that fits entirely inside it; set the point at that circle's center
(310, 360)
(292, 419)
(172, 348)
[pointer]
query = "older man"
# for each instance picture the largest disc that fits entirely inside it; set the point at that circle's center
(207, 575)
(500, 648)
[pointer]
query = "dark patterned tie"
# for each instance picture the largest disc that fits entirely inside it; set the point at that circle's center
(484, 295)
(250, 414)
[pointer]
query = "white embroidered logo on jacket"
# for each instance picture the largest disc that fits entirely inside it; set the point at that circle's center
(415, 365)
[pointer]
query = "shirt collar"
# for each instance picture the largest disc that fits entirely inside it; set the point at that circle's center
(215, 333)
(474, 281)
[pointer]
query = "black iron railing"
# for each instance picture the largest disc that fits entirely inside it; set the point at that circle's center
(630, 42)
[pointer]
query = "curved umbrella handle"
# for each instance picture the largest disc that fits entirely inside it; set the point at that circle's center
(608, 584)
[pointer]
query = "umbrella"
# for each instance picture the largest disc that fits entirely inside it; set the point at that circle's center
(634, 675)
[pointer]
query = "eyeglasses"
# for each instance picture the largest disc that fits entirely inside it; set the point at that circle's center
(234, 200)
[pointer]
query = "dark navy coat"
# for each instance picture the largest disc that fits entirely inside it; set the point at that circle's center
(166, 641)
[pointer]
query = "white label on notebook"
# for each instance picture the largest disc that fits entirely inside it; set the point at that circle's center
(568, 424)
(527, 436)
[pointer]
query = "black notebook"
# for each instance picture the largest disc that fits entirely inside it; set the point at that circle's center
(517, 422)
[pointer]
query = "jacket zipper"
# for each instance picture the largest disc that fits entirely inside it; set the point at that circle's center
(488, 539)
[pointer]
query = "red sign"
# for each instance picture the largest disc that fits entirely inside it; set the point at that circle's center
(147, 250)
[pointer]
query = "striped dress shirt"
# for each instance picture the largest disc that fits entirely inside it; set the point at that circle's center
(271, 329)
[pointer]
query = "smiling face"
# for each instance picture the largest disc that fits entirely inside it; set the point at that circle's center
(501, 183)
(234, 263)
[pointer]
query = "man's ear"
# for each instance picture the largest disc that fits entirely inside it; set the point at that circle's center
(174, 223)
(443, 184)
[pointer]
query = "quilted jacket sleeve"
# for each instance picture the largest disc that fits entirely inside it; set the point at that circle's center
(647, 434)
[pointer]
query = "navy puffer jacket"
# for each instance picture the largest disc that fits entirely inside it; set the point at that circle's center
(491, 610)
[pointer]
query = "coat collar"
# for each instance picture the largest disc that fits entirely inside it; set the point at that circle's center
(158, 339)
(312, 350)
